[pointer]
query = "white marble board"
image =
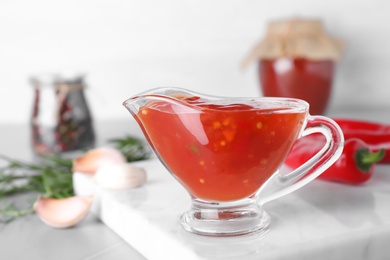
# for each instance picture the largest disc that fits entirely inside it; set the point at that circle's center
(323, 220)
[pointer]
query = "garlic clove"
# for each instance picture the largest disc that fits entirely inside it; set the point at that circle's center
(62, 213)
(120, 176)
(91, 161)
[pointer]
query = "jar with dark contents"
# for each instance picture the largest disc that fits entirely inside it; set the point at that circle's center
(61, 122)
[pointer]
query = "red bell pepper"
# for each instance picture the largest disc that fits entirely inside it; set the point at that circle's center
(375, 135)
(355, 165)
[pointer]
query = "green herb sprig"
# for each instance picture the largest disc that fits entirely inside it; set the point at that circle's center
(132, 148)
(52, 177)
(9, 211)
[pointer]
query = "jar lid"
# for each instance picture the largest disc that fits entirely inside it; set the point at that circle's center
(296, 38)
(71, 80)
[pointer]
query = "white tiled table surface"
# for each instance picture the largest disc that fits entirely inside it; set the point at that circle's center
(355, 220)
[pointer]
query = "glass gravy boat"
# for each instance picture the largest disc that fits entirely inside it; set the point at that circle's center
(227, 152)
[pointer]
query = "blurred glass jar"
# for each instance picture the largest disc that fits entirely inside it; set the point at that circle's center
(61, 121)
(296, 58)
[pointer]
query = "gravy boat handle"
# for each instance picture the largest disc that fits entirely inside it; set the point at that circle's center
(282, 184)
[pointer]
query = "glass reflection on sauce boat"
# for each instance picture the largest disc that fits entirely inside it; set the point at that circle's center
(224, 151)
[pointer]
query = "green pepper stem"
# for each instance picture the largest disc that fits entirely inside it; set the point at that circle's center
(365, 159)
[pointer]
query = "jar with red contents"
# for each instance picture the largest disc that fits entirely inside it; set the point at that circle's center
(296, 58)
(61, 122)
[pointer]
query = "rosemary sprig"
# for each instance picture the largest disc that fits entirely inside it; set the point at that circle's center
(52, 177)
(133, 149)
(9, 211)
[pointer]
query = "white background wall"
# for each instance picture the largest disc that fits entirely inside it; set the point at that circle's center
(127, 46)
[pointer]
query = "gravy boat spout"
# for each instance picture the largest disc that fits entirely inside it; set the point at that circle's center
(167, 94)
(163, 104)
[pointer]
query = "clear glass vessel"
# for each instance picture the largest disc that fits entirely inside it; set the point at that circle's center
(299, 78)
(61, 121)
(227, 152)
(297, 58)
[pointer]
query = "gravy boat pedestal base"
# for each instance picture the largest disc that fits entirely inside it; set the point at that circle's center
(225, 218)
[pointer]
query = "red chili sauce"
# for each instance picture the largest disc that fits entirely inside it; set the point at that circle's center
(220, 152)
(298, 78)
